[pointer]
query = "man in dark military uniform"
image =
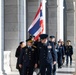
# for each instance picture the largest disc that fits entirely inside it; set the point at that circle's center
(51, 56)
(42, 47)
(60, 54)
(54, 54)
(46, 55)
(68, 52)
(35, 43)
(29, 58)
(63, 45)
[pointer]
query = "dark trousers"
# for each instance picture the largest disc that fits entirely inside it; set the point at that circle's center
(46, 69)
(59, 61)
(43, 69)
(27, 70)
(67, 59)
(54, 69)
(49, 69)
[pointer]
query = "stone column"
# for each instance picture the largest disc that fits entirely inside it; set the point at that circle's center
(74, 3)
(60, 20)
(1, 35)
(70, 21)
(25, 20)
(51, 17)
(22, 20)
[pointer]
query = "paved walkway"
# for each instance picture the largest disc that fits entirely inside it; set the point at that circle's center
(66, 70)
(63, 71)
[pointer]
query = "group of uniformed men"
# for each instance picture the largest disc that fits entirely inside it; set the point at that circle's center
(42, 54)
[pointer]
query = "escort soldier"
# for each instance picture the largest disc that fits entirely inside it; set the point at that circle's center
(17, 54)
(35, 43)
(51, 56)
(29, 58)
(42, 47)
(68, 52)
(52, 40)
(63, 45)
(60, 54)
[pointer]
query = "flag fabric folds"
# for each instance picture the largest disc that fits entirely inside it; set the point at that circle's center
(37, 26)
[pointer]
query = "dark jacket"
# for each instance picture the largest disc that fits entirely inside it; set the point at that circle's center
(17, 55)
(61, 51)
(51, 52)
(42, 50)
(68, 50)
(28, 56)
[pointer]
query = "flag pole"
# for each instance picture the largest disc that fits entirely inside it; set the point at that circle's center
(44, 12)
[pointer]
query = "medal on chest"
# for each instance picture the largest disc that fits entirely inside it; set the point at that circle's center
(26, 51)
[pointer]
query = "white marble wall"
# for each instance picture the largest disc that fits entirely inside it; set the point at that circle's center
(15, 27)
(11, 39)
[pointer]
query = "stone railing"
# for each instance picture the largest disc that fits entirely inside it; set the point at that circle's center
(7, 55)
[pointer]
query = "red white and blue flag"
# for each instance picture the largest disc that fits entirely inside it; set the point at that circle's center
(37, 26)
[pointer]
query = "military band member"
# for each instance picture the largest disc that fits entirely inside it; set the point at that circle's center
(28, 58)
(68, 52)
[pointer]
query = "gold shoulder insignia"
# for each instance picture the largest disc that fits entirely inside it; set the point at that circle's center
(34, 46)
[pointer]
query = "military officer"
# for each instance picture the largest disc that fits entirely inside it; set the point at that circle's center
(60, 54)
(52, 41)
(63, 45)
(42, 48)
(68, 52)
(51, 56)
(35, 43)
(29, 58)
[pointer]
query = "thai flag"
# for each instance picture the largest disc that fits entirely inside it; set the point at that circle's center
(37, 26)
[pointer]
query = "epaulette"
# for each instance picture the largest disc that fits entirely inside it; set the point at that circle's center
(34, 46)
